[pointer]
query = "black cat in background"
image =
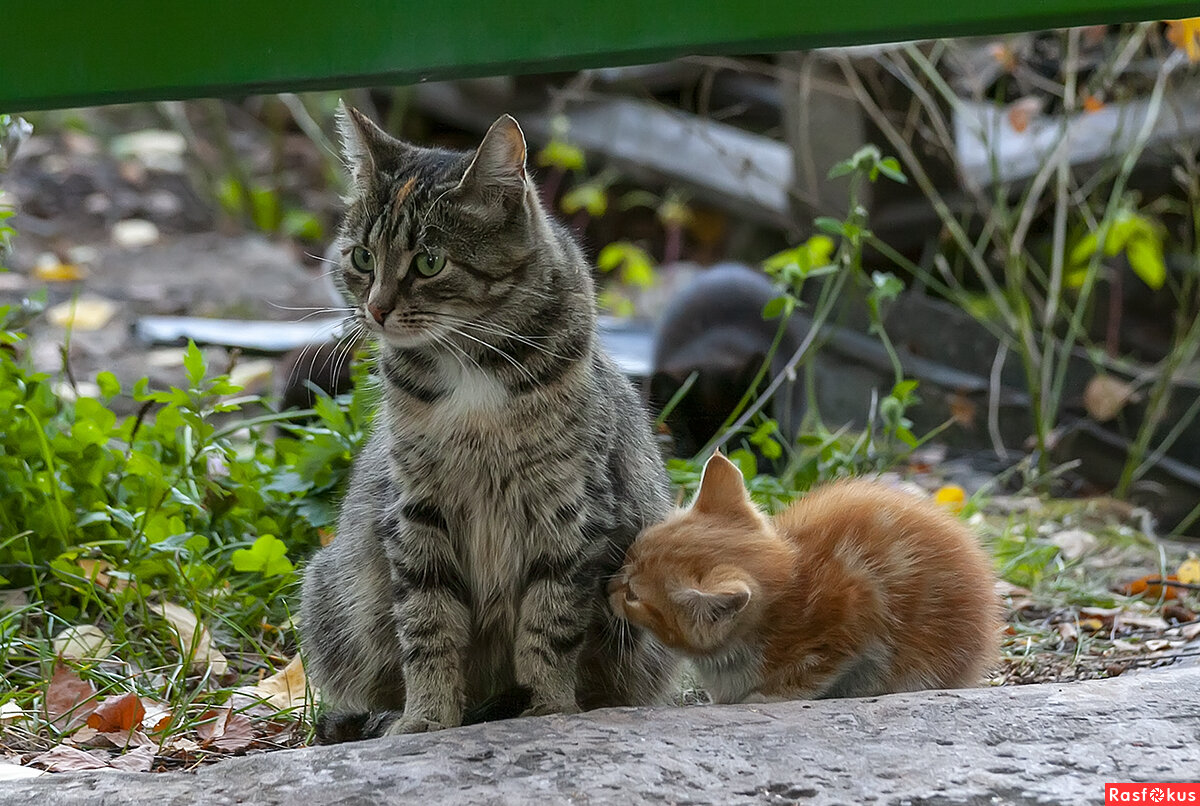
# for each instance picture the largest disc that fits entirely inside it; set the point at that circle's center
(715, 327)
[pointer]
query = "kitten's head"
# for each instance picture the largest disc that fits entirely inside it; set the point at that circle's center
(433, 238)
(699, 580)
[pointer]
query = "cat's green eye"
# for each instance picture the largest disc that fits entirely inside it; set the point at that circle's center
(362, 259)
(429, 264)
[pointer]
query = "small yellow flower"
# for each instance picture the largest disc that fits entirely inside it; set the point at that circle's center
(951, 496)
(1185, 35)
(1189, 571)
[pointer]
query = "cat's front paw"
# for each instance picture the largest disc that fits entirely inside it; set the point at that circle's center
(412, 724)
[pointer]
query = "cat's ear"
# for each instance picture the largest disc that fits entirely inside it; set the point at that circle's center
(364, 145)
(496, 174)
(722, 489)
(713, 607)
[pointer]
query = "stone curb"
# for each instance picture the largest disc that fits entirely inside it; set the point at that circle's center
(1040, 744)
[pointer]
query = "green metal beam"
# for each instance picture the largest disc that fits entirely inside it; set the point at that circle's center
(60, 53)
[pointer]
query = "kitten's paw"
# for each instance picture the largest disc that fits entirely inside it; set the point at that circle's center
(412, 724)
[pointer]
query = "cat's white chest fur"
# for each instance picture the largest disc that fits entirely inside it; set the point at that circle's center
(473, 392)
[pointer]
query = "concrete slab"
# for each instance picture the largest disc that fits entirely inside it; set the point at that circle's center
(1023, 745)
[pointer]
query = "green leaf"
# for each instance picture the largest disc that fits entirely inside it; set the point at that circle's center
(108, 383)
(745, 462)
(840, 169)
(562, 155)
(302, 224)
(1145, 254)
(890, 166)
(194, 364)
(831, 226)
(610, 257)
(780, 306)
(267, 556)
(1083, 250)
(903, 391)
(589, 196)
(267, 216)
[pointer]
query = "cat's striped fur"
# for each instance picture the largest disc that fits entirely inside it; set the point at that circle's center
(511, 463)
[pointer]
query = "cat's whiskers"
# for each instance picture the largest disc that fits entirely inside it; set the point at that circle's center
(322, 259)
(314, 347)
(495, 349)
(458, 352)
(351, 340)
(504, 332)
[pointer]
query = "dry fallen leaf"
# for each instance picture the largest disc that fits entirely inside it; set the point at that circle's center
(97, 572)
(157, 715)
(1022, 112)
(962, 409)
(179, 745)
(1156, 623)
(85, 642)
(65, 758)
(1073, 543)
(1190, 632)
(282, 690)
(139, 759)
(69, 699)
(1093, 624)
(1066, 631)
(1185, 35)
(226, 730)
(1105, 396)
(192, 638)
(1092, 104)
(1004, 56)
(50, 269)
(123, 712)
(11, 712)
(87, 313)
(1150, 587)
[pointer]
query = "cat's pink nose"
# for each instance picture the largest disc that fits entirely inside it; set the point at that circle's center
(378, 312)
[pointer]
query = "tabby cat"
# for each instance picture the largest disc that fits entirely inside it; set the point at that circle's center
(857, 589)
(510, 467)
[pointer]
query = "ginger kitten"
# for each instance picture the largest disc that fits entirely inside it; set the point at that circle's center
(855, 590)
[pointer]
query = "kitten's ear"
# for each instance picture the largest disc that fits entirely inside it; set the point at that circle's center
(722, 489)
(713, 607)
(497, 171)
(364, 144)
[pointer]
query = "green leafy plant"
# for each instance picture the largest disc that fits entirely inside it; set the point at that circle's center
(107, 518)
(1037, 297)
(888, 435)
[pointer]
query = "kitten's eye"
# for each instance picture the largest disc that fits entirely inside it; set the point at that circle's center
(630, 596)
(362, 259)
(429, 264)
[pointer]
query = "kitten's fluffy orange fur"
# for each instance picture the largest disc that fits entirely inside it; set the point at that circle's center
(856, 590)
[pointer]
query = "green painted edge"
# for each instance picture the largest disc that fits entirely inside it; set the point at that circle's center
(63, 53)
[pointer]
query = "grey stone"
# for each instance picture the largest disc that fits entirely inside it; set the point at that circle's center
(1023, 745)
